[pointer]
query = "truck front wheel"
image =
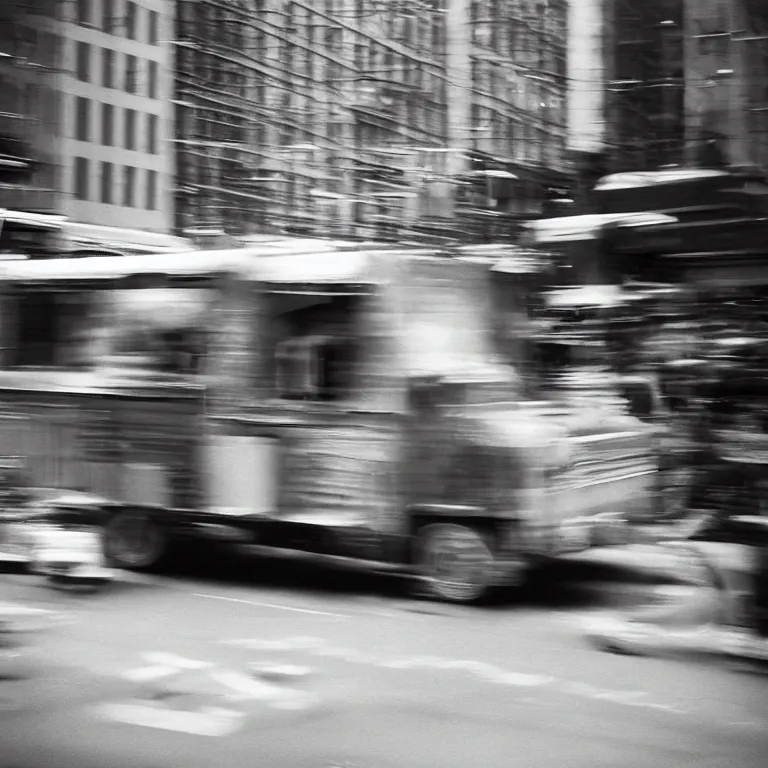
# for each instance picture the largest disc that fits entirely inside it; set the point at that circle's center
(455, 562)
(134, 541)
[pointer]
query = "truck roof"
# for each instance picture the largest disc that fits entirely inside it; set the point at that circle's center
(313, 262)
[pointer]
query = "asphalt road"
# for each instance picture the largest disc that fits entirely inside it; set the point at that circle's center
(274, 666)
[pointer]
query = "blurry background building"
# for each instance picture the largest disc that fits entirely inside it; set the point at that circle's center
(683, 82)
(645, 83)
(367, 117)
(726, 66)
(115, 87)
(28, 106)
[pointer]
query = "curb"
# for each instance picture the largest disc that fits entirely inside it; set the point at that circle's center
(609, 594)
(13, 564)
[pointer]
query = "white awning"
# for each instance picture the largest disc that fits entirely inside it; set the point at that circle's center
(128, 239)
(110, 268)
(640, 179)
(40, 220)
(329, 268)
(590, 226)
(587, 296)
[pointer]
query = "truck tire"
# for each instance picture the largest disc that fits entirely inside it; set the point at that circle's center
(134, 541)
(454, 562)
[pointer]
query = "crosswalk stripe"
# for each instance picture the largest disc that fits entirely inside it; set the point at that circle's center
(248, 687)
(211, 721)
(145, 674)
(172, 660)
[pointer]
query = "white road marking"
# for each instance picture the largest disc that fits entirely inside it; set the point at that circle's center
(246, 687)
(295, 643)
(146, 674)
(164, 665)
(206, 721)
(275, 606)
(209, 721)
(478, 669)
(172, 660)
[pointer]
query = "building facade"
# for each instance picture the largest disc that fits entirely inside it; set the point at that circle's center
(365, 118)
(683, 82)
(727, 80)
(645, 83)
(29, 116)
(115, 90)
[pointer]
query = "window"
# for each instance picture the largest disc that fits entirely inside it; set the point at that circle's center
(131, 17)
(151, 341)
(80, 183)
(82, 119)
(714, 43)
(108, 16)
(314, 359)
(151, 193)
(152, 79)
(129, 182)
(107, 68)
(106, 182)
(83, 62)
(152, 134)
(107, 125)
(129, 137)
(153, 31)
(84, 13)
(131, 73)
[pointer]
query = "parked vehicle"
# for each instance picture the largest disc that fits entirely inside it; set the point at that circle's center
(51, 534)
(343, 400)
(719, 603)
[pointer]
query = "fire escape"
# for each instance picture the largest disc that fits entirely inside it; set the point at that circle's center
(646, 93)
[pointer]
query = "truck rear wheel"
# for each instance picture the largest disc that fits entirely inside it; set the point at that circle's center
(134, 541)
(455, 562)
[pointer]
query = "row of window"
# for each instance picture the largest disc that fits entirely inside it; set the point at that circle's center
(122, 71)
(107, 116)
(116, 17)
(117, 185)
(540, 99)
(517, 138)
(37, 46)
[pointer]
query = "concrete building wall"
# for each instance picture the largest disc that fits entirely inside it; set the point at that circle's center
(588, 71)
(726, 74)
(114, 149)
(645, 83)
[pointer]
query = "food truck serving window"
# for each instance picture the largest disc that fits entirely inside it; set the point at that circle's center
(48, 324)
(314, 346)
(90, 327)
(161, 329)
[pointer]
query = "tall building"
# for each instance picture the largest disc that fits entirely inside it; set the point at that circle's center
(366, 118)
(645, 83)
(726, 81)
(683, 82)
(115, 90)
(512, 116)
(28, 116)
